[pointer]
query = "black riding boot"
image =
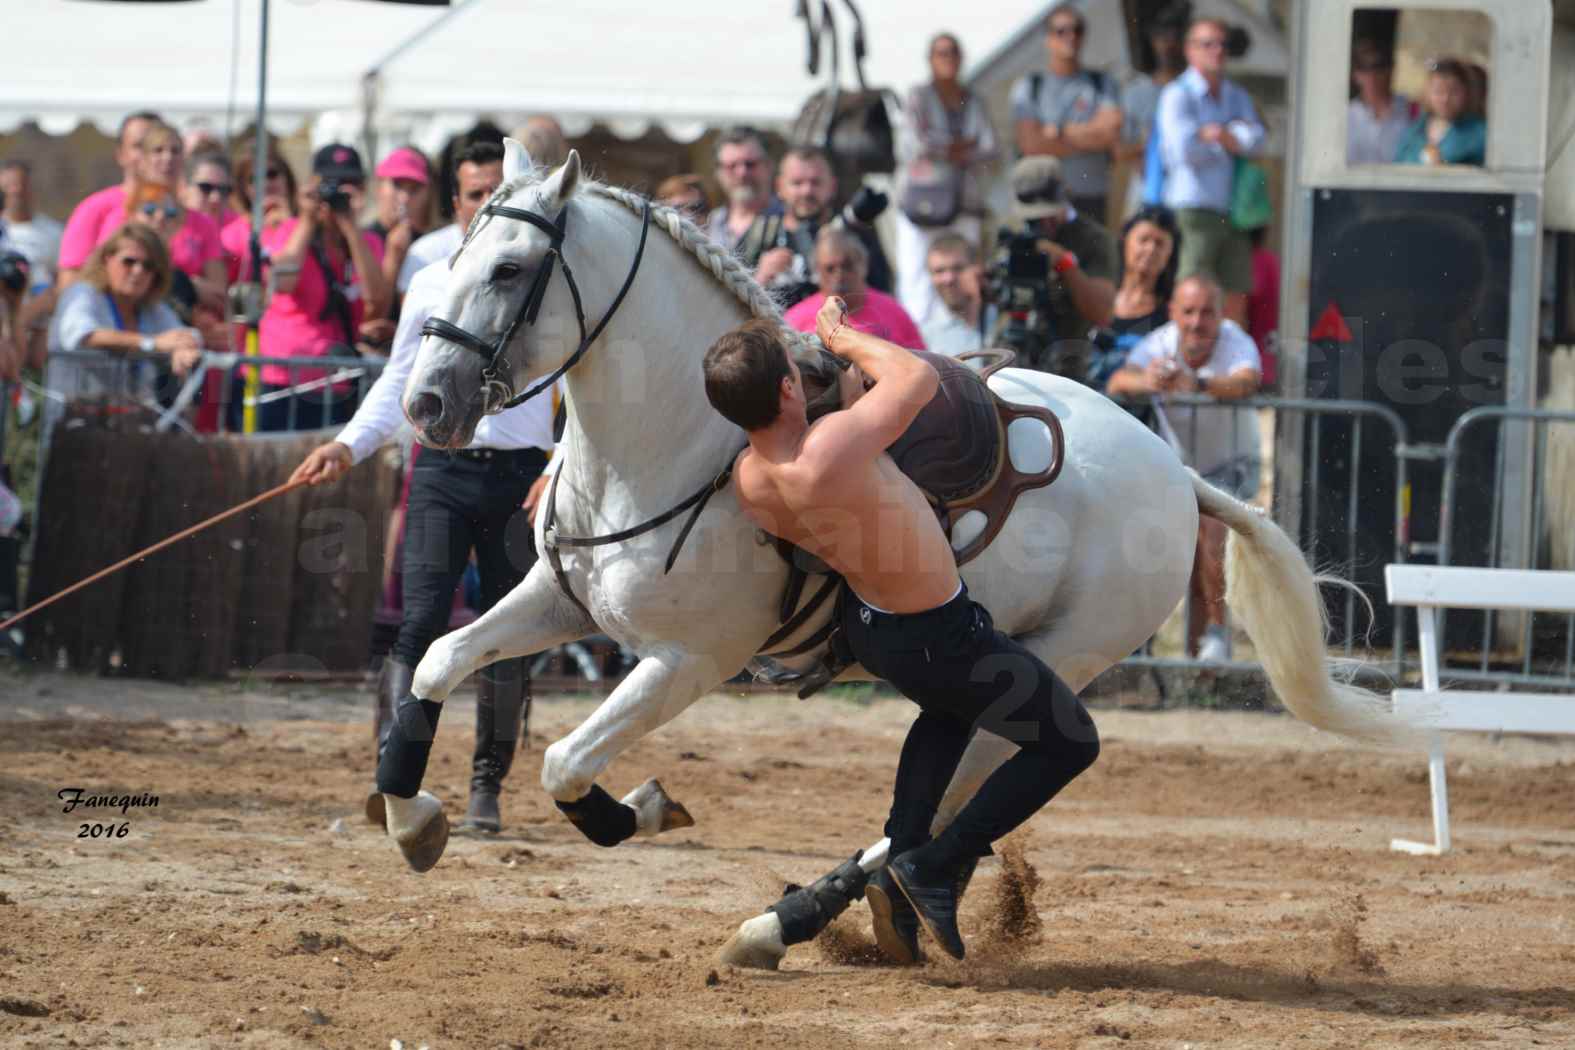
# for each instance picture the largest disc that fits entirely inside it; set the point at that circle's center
(502, 715)
(393, 683)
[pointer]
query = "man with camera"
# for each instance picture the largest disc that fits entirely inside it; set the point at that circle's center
(808, 189)
(1054, 277)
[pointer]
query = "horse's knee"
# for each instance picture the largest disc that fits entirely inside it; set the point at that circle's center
(564, 775)
(441, 669)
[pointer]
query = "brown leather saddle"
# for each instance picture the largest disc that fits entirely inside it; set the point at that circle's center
(956, 451)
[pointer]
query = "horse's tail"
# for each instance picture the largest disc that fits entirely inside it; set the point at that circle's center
(1275, 596)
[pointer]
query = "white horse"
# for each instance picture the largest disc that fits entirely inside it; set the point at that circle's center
(1083, 573)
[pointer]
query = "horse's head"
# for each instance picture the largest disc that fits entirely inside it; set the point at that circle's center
(508, 314)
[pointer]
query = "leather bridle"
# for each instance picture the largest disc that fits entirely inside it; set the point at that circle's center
(497, 373)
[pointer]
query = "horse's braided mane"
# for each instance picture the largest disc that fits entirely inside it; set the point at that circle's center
(716, 260)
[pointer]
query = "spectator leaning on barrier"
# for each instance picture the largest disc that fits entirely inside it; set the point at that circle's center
(1447, 132)
(1070, 112)
(955, 325)
(481, 498)
(946, 146)
(478, 169)
(743, 168)
(1206, 123)
(325, 279)
(119, 306)
(686, 193)
(1199, 353)
(1145, 280)
(807, 188)
(1376, 117)
(842, 263)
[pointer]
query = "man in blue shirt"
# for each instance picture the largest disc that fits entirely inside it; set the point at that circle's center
(1205, 123)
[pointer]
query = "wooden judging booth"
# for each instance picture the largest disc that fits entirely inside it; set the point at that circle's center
(291, 584)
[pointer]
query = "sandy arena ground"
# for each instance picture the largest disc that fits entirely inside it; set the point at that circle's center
(1217, 880)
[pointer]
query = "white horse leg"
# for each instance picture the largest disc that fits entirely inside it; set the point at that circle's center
(534, 615)
(659, 688)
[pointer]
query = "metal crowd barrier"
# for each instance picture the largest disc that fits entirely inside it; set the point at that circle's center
(1526, 649)
(216, 383)
(1300, 499)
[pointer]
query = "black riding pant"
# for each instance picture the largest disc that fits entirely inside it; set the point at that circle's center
(966, 675)
(459, 501)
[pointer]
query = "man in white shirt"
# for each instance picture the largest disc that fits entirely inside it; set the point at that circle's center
(34, 234)
(1198, 352)
(952, 324)
(481, 497)
(473, 185)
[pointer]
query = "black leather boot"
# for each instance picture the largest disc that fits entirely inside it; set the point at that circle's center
(502, 715)
(393, 683)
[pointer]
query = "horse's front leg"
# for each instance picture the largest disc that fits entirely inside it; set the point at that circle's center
(661, 686)
(535, 615)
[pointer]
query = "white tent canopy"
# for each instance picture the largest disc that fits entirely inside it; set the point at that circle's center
(629, 64)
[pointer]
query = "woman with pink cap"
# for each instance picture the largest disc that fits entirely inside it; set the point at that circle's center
(404, 209)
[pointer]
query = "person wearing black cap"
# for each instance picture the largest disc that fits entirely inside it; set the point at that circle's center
(326, 278)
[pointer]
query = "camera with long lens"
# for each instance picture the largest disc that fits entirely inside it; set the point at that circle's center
(1018, 286)
(332, 193)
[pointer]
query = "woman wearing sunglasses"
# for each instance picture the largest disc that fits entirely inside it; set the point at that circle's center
(208, 186)
(118, 306)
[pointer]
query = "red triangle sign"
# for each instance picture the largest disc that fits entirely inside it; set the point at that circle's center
(1331, 327)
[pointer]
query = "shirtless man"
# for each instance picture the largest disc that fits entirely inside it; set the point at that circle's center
(832, 490)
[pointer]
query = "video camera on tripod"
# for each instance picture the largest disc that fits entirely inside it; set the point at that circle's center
(1020, 282)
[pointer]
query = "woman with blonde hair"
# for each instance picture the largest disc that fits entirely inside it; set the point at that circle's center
(118, 306)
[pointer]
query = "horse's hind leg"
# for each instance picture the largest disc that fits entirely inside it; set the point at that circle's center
(535, 615)
(661, 686)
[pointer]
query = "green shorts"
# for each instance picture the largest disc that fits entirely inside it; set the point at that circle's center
(1211, 245)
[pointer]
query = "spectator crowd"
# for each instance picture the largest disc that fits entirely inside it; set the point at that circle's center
(1166, 288)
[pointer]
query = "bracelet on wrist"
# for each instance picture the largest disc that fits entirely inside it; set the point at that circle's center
(147, 344)
(1066, 264)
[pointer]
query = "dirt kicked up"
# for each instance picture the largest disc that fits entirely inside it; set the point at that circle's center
(1217, 880)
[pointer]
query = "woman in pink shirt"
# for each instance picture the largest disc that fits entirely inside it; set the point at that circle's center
(194, 247)
(327, 278)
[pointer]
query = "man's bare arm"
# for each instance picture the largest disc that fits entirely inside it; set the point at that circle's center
(902, 384)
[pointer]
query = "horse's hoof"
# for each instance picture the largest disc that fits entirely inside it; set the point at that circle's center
(420, 827)
(376, 812)
(654, 811)
(757, 944)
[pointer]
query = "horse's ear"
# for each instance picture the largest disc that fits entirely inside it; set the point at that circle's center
(516, 161)
(567, 178)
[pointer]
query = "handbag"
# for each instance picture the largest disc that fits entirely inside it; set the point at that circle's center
(931, 189)
(1250, 206)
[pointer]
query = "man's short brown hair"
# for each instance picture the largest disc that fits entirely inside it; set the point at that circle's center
(744, 371)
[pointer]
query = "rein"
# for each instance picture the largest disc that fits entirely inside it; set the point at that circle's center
(498, 374)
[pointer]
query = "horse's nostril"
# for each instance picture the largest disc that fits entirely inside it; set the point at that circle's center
(425, 409)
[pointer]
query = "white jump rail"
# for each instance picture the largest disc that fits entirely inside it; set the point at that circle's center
(1431, 588)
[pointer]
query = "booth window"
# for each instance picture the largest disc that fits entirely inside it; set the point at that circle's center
(1419, 82)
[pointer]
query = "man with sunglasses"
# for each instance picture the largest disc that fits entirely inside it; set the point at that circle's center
(1204, 124)
(1071, 113)
(483, 497)
(743, 167)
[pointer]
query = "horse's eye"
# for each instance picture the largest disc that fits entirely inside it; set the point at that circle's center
(504, 272)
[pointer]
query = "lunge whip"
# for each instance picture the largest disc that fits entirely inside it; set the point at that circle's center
(277, 490)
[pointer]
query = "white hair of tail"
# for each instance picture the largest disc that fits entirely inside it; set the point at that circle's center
(1274, 594)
